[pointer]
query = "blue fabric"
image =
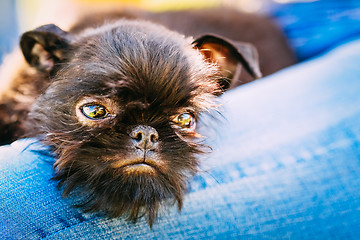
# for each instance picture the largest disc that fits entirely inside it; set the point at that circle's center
(285, 164)
(315, 26)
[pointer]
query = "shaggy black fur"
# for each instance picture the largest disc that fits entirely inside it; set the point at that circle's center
(144, 76)
(148, 87)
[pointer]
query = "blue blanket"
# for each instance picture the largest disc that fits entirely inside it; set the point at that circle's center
(285, 165)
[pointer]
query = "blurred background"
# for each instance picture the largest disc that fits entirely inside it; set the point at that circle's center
(312, 26)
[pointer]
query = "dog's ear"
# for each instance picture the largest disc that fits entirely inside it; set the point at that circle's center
(45, 46)
(230, 56)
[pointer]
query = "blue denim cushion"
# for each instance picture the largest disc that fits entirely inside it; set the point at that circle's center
(313, 27)
(285, 164)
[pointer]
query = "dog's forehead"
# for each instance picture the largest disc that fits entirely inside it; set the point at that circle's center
(131, 40)
(141, 60)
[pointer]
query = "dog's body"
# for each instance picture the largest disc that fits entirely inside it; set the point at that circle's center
(120, 107)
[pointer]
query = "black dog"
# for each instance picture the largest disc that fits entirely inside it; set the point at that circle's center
(121, 105)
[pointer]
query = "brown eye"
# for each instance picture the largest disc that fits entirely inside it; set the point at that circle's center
(185, 120)
(94, 111)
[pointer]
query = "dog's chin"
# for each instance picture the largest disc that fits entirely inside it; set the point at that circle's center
(134, 187)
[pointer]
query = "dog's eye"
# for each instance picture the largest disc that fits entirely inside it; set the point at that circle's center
(185, 120)
(94, 111)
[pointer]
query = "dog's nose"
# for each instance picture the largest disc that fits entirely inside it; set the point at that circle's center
(144, 137)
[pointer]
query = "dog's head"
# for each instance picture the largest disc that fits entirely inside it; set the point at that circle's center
(122, 107)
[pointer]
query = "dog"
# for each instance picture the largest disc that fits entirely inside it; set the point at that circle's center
(118, 103)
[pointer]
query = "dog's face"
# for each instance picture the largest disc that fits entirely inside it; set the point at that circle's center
(121, 111)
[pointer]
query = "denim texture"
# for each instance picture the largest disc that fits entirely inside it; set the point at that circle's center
(313, 27)
(285, 165)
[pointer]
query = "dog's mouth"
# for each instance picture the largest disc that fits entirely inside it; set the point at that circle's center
(140, 168)
(150, 164)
